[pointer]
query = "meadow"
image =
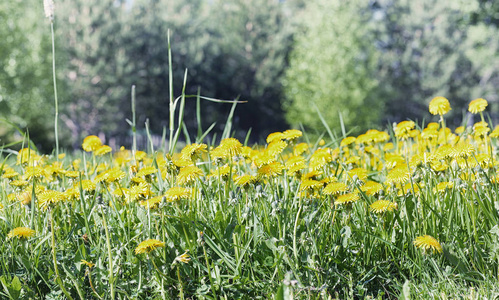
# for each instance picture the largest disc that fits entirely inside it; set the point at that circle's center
(407, 212)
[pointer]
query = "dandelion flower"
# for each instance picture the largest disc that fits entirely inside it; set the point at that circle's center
(320, 158)
(148, 245)
(271, 170)
(21, 233)
(87, 263)
(347, 141)
(439, 106)
(300, 148)
(230, 147)
(359, 173)
(275, 148)
(427, 242)
(274, 136)
(91, 143)
(102, 150)
(381, 206)
(295, 164)
(403, 129)
(400, 174)
(151, 203)
(176, 193)
(495, 132)
(309, 184)
(184, 258)
(463, 150)
(189, 174)
(190, 151)
(335, 188)
(347, 198)
(146, 171)
(291, 134)
(115, 174)
(245, 180)
(477, 105)
(49, 197)
(372, 188)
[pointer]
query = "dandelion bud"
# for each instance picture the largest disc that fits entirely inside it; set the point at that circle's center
(48, 7)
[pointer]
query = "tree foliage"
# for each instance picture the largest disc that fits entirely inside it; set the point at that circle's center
(26, 91)
(332, 67)
(432, 48)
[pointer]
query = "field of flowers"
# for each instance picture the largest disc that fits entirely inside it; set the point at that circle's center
(410, 212)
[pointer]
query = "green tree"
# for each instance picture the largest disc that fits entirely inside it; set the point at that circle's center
(26, 91)
(96, 66)
(432, 48)
(332, 67)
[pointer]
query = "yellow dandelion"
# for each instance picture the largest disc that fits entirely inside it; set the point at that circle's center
(19, 183)
(21, 233)
(176, 193)
(114, 175)
(271, 170)
(245, 180)
(91, 143)
(402, 130)
(148, 245)
(274, 136)
(427, 242)
(49, 198)
(151, 203)
(102, 150)
(146, 171)
(398, 175)
(439, 106)
(34, 172)
(24, 197)
(335, 188)
(347, 198)
(184, 258)
(459, 130)
(372, 188)
(443, 186)
(231, 147)
(388, 147)
(89, 264)
(9, 173)
(27, 156)
(381, 206)
(300, 148)
(190, 151)
(140, 191)
(311, 175)
(263, 158)
(291, 134)
(275, 148)
(140, 155)
(347, 141)
(357, 173)
(189, 174)
(309, 184)
(320, 158)
(495, 132)
(477, 105)
(462, 150)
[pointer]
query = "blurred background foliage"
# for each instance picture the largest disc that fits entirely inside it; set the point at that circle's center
(376, 62)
